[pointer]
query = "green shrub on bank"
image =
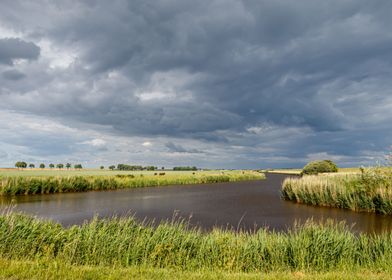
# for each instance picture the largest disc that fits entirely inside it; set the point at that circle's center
(46, 185)
(125, 242)
(319, 166)
(370, 191)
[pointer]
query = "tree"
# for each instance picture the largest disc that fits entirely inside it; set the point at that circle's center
(78, 166)
(102, 167)
(68, 165)
(42, 166)
(31, 165)
(150, 168)
(128, 167)
(112, 167)
(21, 164)
(60, 166)
(51, 165)
(185, 168)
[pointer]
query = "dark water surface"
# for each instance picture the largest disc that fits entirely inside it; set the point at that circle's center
(246, 205)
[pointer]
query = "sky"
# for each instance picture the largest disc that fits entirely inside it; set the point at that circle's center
(216, 84)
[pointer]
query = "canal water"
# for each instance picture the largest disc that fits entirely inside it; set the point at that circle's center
(238, 205)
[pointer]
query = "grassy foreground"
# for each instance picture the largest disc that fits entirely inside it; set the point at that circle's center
(22, 185)
(50, 269)
(125, 243)
(370, 190)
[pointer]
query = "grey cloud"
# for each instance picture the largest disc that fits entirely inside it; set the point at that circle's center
(15, 48)
(3, 154)
(13, 75)
(176, 148)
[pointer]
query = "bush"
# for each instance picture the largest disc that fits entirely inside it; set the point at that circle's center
(319, 166)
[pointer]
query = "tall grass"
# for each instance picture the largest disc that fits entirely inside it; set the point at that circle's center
(44, 185)
(125, 242)
(370, 190)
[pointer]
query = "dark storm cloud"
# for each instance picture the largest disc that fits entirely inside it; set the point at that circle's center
(261, 60)
(15, 48)
(216, 71)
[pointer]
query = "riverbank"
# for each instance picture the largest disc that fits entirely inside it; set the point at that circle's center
(126, 243)
(370, 190)
(29, 185)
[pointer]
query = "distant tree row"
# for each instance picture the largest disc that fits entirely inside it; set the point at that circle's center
(128, 167)
(185, 168)
(22, 164)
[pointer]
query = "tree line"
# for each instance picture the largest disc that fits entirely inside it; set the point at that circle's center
(128, 167)
(185, 168)
(23, 164)
(120, 166)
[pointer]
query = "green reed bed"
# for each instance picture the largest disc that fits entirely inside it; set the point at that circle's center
(124, 242)
(49, 184)
(370, 190)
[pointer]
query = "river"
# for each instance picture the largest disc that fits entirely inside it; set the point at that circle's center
(237, 205)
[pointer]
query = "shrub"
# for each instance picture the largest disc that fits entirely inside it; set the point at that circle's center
(319, 166)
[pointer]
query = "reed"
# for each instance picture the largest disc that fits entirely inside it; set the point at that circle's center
(124, 242)
(370, 190)
(23, 185)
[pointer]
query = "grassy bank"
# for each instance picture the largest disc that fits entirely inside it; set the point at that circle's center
(51, 269)
(55, 172)
(369, 190)
(123, 242)
(22, 185)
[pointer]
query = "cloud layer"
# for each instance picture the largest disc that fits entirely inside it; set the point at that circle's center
(211, 83)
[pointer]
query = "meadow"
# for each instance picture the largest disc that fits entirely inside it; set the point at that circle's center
(368, 190)
(31, 245)
(17, 182)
